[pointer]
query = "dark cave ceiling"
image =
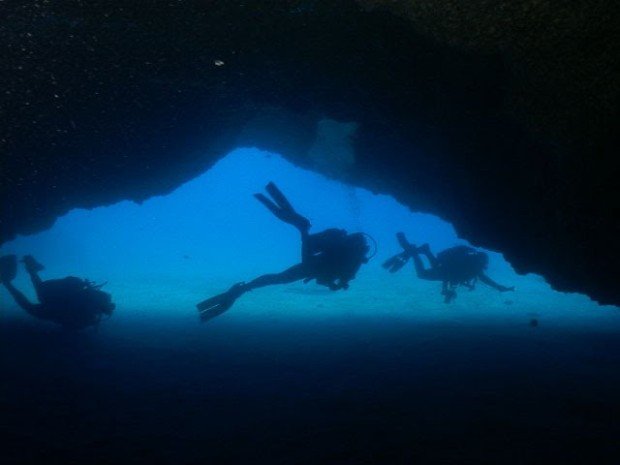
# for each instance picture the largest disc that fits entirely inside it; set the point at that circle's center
(501, 117)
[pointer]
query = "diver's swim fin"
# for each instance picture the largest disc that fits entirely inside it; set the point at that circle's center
(405, 244)
(8, 268)
(210, 314)
(217, 305)
(216, 301)
(272, 207)
(396, 262)
(277, 195)
(282, 209)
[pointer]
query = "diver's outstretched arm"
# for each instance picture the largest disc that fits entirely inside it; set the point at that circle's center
(489, 282)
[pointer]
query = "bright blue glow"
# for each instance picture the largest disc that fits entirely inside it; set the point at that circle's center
(163, 256)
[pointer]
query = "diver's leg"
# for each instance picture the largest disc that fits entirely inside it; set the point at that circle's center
(33, 267)
(426, 250)
(36, 282)
(422, 272)
(292, 274)
(21, 300)
(302, 224)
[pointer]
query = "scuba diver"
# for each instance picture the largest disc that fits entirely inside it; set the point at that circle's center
(331, 257)
(71, 302)
(460, 265)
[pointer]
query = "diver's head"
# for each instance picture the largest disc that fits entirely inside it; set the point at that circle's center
(108, 309)
(359, 246)
(105, 305)
(100, 301)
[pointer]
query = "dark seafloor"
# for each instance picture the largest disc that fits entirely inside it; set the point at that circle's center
(365, 391)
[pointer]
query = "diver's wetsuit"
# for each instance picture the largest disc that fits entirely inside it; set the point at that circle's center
(332, 257)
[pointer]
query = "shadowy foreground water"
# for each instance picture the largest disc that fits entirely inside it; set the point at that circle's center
(359, 391)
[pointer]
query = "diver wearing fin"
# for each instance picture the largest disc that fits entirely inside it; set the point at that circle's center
(460, 265)
(71, 302)
(331, 257)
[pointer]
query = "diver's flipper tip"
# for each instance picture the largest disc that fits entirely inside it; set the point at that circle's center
(389, 263)
(396, 262)
(217, 305)
(277, 195)
(397, 266)
(205, 305)
(210, 314)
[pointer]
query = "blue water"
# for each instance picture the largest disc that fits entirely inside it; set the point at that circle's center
(382, 373)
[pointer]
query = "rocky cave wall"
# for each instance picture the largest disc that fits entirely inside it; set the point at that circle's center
(501, 117)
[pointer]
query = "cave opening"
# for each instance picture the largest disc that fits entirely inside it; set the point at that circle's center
(162, 256)
(386, 360)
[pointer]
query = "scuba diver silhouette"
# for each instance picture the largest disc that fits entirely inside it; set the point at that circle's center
(460, 265)
(331, 257)
(71, 302)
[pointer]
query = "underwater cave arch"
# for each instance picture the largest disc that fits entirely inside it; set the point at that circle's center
(163, 255)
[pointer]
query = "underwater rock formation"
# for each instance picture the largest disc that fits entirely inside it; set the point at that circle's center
(501, 117)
